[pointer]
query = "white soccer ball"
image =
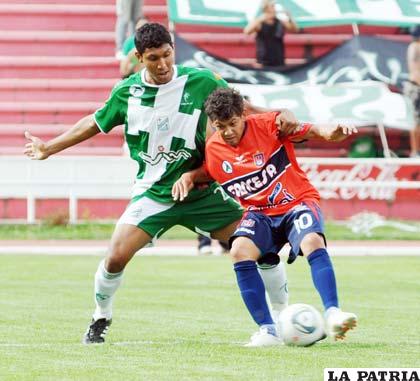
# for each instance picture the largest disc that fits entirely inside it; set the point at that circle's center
(301, 325)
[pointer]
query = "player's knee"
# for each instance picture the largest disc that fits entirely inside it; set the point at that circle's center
(312, 242)
(115, 264)
(243, 249)
(117, 259)
(238, 254)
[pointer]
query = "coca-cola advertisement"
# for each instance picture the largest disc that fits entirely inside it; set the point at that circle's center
(387, 188)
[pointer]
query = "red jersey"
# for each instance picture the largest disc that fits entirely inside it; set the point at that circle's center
(261, 172)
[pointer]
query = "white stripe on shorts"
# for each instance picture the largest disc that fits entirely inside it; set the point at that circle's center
(141, 209)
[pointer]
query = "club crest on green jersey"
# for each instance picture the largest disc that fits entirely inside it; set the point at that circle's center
(136, 91)
(186, 100)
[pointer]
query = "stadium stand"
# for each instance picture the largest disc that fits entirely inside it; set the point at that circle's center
(57, 64)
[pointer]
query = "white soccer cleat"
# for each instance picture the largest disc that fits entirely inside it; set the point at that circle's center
(275, 315)
(264, 339)
(205, 250)
(339, 322)
(276, 310)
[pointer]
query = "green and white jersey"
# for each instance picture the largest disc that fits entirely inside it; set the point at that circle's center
(165, 126)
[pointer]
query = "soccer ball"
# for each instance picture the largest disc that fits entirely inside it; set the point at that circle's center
(301, 325)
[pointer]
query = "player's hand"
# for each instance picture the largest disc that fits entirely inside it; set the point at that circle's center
(182, 186)
(287, 124)
(36, 149)
(341, 132)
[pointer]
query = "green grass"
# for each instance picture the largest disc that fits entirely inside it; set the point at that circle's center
(333, 230)
(181, 318)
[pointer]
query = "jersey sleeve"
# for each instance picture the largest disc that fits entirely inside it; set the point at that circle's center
(212, 80)
(301, 130)
(111, 114)
(268, 120)
(220, 82)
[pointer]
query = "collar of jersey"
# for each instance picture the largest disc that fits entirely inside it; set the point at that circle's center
(143, 77)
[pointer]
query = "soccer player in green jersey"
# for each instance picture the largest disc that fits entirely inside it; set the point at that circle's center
(162, 110)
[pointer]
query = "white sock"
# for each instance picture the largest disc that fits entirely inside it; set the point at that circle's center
(105, 286)
(275, 282)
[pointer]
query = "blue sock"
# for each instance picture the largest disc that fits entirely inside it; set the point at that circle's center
(253, 293)
(323, 277)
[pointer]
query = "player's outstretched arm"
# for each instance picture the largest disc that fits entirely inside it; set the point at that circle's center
(328, 132)
(37, 149)
(285, 120)
(187, 181)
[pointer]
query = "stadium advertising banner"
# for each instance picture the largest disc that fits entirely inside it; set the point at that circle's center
(361, 58)
(306, 13)
(367, 184)
(347, 186)
(361, 103)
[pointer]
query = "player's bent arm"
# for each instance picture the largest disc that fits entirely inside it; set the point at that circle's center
(187, 181)
(327, 132)
(84, 129)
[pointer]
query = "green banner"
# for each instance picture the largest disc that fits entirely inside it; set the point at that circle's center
(306, 13)
(361, 103)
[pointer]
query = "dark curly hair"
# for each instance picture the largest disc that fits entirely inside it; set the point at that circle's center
(223, 104)
(151, 35)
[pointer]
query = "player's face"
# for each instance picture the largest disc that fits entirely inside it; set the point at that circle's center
(231, 130)
(159, 64)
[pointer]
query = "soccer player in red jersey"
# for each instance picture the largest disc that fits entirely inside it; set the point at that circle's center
(253, 158)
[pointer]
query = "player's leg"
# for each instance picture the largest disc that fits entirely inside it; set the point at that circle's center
(412, 91)
(337, 322)
(204, 244)
(248, 241)
(305, 234)
(415, 141)
(244, 254)
(136, 11)
(220, 214)
(273, 273)
(126, 241)
(121, 24)
(143, 219)
(223, 248)
(253, 282)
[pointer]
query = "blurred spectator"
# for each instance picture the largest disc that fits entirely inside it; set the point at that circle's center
(270, 30)
(363, 146)
(129, 63)
(204, 246)
(412, 88)
(128, 11)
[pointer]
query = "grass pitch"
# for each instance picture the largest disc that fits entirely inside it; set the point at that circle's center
(182, 318)
(91, 230)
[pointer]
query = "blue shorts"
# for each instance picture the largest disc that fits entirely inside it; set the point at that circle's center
(271, 233)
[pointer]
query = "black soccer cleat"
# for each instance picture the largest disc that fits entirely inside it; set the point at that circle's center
(96, 331)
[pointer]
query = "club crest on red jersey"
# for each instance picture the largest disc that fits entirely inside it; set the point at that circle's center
(259, 159)
(227, 167)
